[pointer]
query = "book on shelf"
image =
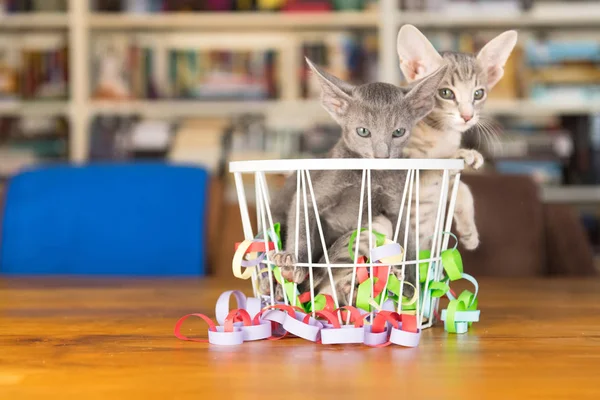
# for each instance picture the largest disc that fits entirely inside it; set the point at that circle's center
(147, 67)
(494, 7)
(19, 6)
(33, 67)
(26, 142)
(45, 66)
(9, 68)
(198, 141)
(144, 6)
(350, 56)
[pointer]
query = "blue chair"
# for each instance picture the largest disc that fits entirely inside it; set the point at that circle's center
(113, 219)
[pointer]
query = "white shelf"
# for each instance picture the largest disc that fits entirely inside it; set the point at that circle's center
(178, 108)
(235, 20)
(544, 15)
(33, 108)
(199, 108)
(571, 194)
(190, 108)
(34, 20)
(537, 108)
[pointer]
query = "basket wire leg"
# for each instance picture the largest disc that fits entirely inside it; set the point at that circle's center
(401, 211)
(417, 226)
(406, 229)
(259, 227)
(444, 200)
(357, 243)
(297, 234)
(323, 243)
(246, 225)
(266, 239)
(397, 229)
(449, 218)
(434, 253)
(266, 209)
(308, 245)
(370, 218)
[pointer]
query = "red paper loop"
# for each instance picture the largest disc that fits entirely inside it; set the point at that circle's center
(257, 247)
(355, 315)
(177, 330)
(304, 297)
(409, 323)
(239, 315)
(382, 317)
(289, 309)
(328, 315)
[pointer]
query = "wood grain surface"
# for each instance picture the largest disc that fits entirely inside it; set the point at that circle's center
(112, 339)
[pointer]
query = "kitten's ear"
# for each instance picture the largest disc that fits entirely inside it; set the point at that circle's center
(418, 57)
(421, 99)
(335, 93)
(494, 55)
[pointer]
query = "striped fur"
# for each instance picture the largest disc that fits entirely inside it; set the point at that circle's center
(439, 134)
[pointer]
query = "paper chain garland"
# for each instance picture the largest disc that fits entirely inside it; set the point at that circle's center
(374, 321)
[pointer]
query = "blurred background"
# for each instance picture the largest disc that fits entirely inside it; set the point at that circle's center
(203, 82)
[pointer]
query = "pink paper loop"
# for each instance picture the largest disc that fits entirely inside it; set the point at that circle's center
(253, 262)
(404, 338)
(223, 338)
(222, 307)
(257, 332)
(274, 316)
(385, 251)
(375, 339)
(345, 335)
(253, 306)
(300, 329)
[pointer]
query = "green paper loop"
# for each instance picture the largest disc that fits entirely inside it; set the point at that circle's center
(452, 263)
(424, 255)
(466, 301)
(438, 289)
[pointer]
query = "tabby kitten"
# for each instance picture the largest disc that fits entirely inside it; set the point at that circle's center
(458, 105)
(376, 120)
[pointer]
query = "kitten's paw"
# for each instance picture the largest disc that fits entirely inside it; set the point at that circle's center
(287, 261)
(265, 288)
(470, 241)
(344, 291)
(472, 158)
(398, 273)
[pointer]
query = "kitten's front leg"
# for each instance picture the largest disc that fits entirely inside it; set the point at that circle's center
(472, 158)
(464, 216)
(286, 259)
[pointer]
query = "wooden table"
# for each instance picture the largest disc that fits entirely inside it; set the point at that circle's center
(96, 339)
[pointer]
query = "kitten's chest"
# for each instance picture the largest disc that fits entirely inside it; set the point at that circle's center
(384, 191)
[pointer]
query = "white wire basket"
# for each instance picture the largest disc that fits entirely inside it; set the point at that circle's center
(427, 268)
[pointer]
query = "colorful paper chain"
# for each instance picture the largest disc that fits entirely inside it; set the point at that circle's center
(374, 321)
(248, 322)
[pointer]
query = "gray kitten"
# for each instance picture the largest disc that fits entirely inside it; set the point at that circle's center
(376, 121)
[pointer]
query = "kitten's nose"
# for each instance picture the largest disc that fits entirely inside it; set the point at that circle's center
(466, 117)
(381, 150)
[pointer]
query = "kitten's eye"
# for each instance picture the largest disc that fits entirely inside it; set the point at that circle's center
(399, 132)
(478, 95)
(363, 132)
(446, 94)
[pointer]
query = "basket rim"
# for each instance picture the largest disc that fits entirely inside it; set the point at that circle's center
(314, 164)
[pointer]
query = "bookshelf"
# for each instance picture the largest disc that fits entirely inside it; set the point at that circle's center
(38, 20)
(236, 21)
(549, 15)
(79, 23)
